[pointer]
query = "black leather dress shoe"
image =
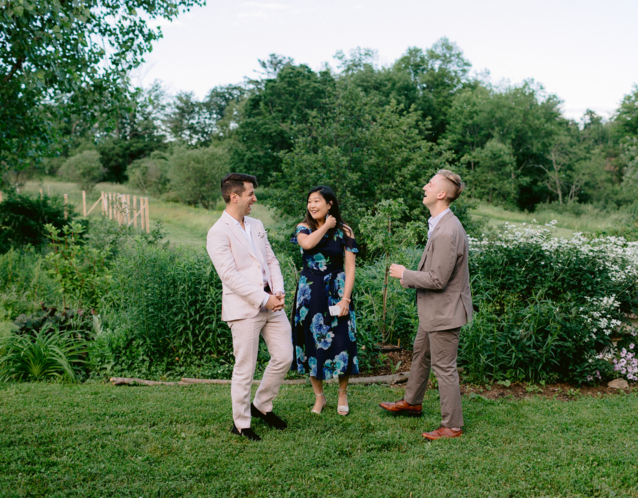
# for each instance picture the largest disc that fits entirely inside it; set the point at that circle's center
(270, 418)
(247, 433)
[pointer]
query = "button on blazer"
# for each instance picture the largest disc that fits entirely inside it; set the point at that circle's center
(442, 279)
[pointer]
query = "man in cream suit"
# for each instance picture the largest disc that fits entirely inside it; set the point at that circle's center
(252, 303)
(444, 304)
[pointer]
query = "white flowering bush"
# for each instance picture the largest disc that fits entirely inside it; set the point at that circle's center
(627, 364)
(548, 307)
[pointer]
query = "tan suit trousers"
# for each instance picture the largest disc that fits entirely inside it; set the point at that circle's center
(437, 351)
(275, 329)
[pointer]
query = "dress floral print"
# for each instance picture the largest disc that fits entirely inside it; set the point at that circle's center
(325, 345)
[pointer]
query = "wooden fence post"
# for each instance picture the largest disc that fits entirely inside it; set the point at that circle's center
(103, 199)
(142, 217)
(1, 196)
(110, 206)
(134, 209)
(118, 205)
(148, 221)
(41, 194)
(66, 201)
(84, 203)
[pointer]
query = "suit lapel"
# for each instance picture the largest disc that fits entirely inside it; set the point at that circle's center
(236, 231)
(441, 222)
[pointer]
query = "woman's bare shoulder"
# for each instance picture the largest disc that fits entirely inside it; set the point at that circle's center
(348, 231)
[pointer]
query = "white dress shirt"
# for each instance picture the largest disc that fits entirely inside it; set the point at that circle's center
(246, 231)
(433, 222)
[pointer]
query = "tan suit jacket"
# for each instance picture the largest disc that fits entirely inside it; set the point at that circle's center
(240, 269)
(442, 280)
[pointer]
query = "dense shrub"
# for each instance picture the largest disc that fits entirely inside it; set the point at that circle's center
(23, 218)
(402, 320)
(25, 283)
(150, 174)
(47, 345)
(163, 315)
(548, 307)
(80, 269)
(195, 175)
(85, 169)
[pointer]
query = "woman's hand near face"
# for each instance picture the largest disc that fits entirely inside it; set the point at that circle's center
(331, 222)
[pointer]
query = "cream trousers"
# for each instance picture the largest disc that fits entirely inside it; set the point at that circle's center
(275, 329)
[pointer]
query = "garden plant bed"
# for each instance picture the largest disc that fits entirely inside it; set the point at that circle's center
(390, 361)
(559, 391)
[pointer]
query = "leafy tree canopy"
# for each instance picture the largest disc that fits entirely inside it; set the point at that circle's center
(61, 56)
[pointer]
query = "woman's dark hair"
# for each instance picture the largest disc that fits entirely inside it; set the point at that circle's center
(328, 194)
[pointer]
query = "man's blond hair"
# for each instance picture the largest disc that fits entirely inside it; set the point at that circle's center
(457, 185)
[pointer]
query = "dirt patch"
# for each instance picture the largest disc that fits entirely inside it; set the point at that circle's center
(517, 390)
(561, 391)
(391, 364)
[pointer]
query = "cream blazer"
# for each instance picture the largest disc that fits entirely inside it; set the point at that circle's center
(240, 268)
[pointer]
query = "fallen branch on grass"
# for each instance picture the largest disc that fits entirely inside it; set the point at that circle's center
(380, 379)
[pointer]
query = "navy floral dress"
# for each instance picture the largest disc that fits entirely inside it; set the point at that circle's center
(325, 346)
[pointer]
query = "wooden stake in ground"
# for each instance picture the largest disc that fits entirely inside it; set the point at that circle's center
(385, 284)
(41, 194)
(134, 209)
(110, 206)
(148, 221)
(83, 202)
(66, 201)
(1, 196)
(103, 198)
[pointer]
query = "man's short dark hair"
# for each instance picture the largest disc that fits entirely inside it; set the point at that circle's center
(233, 183)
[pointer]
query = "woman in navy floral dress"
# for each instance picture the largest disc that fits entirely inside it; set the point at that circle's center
(325, 345)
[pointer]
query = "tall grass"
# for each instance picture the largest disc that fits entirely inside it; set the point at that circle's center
(47, 354)
(25, 283)
(163, 314)
(572, 218)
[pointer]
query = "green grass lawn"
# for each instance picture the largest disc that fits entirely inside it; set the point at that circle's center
(100, 440)
(590, 221)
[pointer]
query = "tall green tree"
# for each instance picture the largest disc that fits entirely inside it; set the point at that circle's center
(366, 153)
(196, 122)
(271, 112)
(626, 117)
(523, 118)
(59, 57)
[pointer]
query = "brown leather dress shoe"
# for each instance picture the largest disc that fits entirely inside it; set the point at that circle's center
(441, 433)
(403, 407)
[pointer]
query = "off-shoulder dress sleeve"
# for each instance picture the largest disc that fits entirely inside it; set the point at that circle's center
(349, 243)
(298, 230)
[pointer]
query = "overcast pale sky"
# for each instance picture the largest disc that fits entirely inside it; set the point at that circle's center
(584, 51)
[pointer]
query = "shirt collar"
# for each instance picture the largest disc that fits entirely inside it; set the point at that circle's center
(433, 221)
(233, 219)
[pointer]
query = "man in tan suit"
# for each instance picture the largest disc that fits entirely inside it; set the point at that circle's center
(252, 303)
(444, 304)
